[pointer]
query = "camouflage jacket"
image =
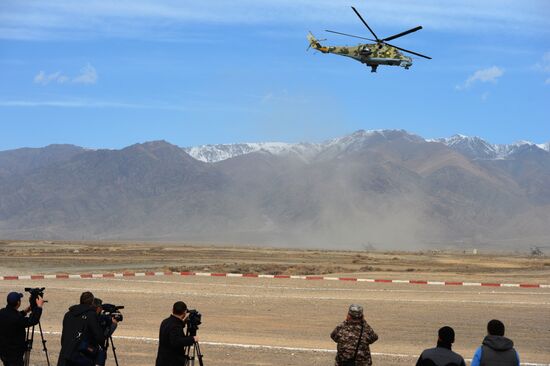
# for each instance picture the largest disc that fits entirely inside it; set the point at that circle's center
(347, 336)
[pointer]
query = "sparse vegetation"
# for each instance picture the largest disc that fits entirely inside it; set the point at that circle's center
(60, 257)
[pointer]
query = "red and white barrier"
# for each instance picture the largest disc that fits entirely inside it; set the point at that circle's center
(256, 275)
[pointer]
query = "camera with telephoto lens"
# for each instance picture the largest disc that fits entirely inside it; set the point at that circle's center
(194, 320)
(108, 312)
(35, 293)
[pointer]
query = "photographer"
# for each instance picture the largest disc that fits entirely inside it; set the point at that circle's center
(108, 324)
(81, 331)
(172, 339)
(13, 324)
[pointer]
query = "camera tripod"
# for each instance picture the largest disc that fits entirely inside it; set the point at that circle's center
(29, 340)
(193, 350)
(110, 340)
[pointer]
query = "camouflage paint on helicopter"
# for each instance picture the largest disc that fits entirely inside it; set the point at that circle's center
(373, 55)
(369, 54)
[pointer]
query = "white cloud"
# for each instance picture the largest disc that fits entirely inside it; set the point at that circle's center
(544, 66)
(489, 75)
(278, 97)
(86, 103)
(88, 75)
(55, 77)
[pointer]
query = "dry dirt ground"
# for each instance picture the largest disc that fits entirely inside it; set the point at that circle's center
(255, 321)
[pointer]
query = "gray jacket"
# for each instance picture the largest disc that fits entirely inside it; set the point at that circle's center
(497, 351)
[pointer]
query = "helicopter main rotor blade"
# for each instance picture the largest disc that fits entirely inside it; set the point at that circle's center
(350, 35)
(402, 34)
(402, 49)
(365, 23)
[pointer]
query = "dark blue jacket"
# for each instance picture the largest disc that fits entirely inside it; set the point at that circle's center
(13, 326)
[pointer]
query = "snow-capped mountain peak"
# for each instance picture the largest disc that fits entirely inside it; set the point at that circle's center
(215, 153)
(471, 146)
(477, 148)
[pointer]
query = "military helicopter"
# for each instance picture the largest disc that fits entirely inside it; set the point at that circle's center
(373, 55)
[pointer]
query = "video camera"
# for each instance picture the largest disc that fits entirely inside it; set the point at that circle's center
(105, 318)
(110, 311)
(194, 320)
(35, 293)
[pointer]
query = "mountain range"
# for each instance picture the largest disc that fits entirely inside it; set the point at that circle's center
(383, 189)
(473, 147)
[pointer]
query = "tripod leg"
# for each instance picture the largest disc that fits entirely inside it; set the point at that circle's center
(199, 354)
(114, 350)
(28, 343)
(189, 356)
(44, 343)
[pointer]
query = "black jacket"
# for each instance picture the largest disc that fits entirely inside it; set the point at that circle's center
(12, 331)
(80, 323)
(172, 342)
(442, 355)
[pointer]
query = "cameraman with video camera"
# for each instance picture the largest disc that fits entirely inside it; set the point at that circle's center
(81, 332)
(108, 317)
(13, 324)
(172, 339)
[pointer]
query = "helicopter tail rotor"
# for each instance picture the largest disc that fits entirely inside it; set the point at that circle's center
(315, 43)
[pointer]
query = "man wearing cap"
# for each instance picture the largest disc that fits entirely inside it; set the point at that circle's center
(353, 338)
(442, 355)
(13, 324)
(496, 349)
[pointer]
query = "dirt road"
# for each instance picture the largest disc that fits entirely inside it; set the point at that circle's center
(257, 321)
(287, 316)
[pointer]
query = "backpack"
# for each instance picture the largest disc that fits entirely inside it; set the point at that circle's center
(79, 341)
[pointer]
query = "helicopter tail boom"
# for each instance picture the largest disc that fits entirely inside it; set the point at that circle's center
(315, 44)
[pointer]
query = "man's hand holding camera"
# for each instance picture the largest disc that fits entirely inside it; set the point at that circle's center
(40, 301)
(39, 304)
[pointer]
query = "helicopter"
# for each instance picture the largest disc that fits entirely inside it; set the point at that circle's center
(373, 55)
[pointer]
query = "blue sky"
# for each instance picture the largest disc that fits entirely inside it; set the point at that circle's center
(110, 74)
